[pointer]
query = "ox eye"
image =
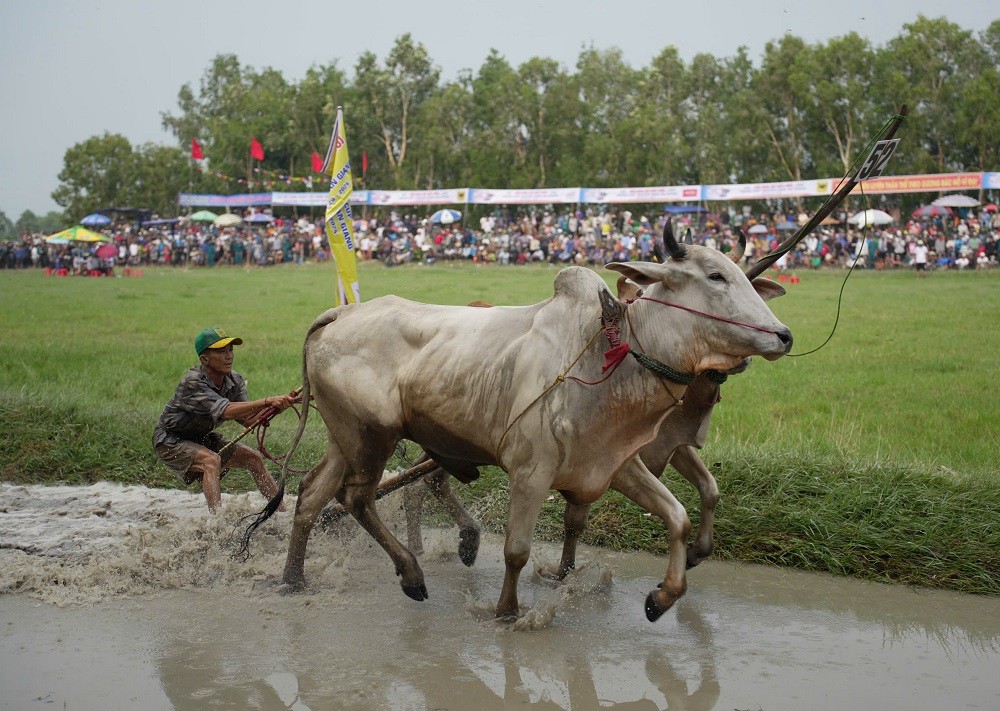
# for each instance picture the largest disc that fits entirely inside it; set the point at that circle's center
(717, 276)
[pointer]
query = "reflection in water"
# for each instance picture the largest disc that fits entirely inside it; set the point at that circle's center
(287, 688)
(199, 675)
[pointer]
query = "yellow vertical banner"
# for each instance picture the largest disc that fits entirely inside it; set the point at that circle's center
(339, 220)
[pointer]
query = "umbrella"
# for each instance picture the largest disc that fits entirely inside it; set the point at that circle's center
(446, 217)
(96, 220)
(228, 220)
(107, 251)
(956, 200)
(157, 223)
(932, 211)
(204, 216)
(259, 217)
(871, 217)
(77, 233)
(683, 209)
(758, 229)
(787, 226)
(830, 220)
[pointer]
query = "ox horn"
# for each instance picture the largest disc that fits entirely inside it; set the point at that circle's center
(688, 236)
(658, 252)
(736, 253)
(675, 250)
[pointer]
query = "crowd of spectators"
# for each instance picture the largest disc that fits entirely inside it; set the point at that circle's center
(585, 237)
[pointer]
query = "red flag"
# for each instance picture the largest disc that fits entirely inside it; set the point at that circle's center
(317, 163)
(256, 150)
(364, 162)
(196, 152)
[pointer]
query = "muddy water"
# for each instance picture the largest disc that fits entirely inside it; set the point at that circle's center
(124, 597)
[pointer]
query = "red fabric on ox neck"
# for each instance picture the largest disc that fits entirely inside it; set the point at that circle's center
(614, 356)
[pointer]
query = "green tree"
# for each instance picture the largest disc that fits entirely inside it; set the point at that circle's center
(441, 146)
(608, 90)
(497, 154)
(6, 226)
(977, 121)
(841, 113)
(656, 137)
(28, 222)
(99, 172)
(548, 109)
(926, 68)
(784, 85)
(51, 222)
(314, 111)
(748, 150)
(393, 95)
(977, 109)
(162, 172)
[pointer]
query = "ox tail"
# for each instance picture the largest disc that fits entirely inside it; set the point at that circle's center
(272, 506)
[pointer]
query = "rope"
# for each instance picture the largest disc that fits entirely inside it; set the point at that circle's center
(843, 285)
(559, 379)
(708, 315)
(261, 431)
(662, 369)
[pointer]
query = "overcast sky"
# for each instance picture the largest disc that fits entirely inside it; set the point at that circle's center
(75, 69)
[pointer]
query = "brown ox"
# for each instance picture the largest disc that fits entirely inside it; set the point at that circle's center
(492, 386)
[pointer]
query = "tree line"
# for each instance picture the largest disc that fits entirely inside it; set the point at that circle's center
(805, 111)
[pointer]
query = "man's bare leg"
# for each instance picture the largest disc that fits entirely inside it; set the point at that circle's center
(250, 459)
(209, 465)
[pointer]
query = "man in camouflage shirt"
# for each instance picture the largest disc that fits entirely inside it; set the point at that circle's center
(208, 395)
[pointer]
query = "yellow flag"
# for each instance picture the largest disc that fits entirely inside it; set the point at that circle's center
(339, 220)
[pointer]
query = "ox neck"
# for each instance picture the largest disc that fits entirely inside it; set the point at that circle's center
(620, 349)
(657, 367)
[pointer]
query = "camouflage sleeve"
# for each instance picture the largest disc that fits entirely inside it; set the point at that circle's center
(200, 399)
(241, 387)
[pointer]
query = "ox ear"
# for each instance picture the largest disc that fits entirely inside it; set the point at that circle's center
(767, 289)
(628, 290)
(641, 273)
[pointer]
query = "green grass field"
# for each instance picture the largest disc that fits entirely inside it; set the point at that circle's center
(874, 457)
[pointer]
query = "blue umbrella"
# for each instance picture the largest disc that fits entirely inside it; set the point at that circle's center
(259, 217)
(96, 220)
(787, 226)
(446, 217)
(683, 209)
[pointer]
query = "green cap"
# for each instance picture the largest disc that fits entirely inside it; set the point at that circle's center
(214, 338)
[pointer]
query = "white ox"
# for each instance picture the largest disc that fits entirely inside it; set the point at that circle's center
(681, 434)
(479, 386)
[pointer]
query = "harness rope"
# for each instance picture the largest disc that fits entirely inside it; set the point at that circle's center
(616, 355)
(613, 358)
(559, 378)
(261, 430)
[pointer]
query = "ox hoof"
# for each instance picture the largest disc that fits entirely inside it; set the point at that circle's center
(417, 592)
(468, 546)
(554, 573)
(287, 588)
(694, 556)
(655, 607)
